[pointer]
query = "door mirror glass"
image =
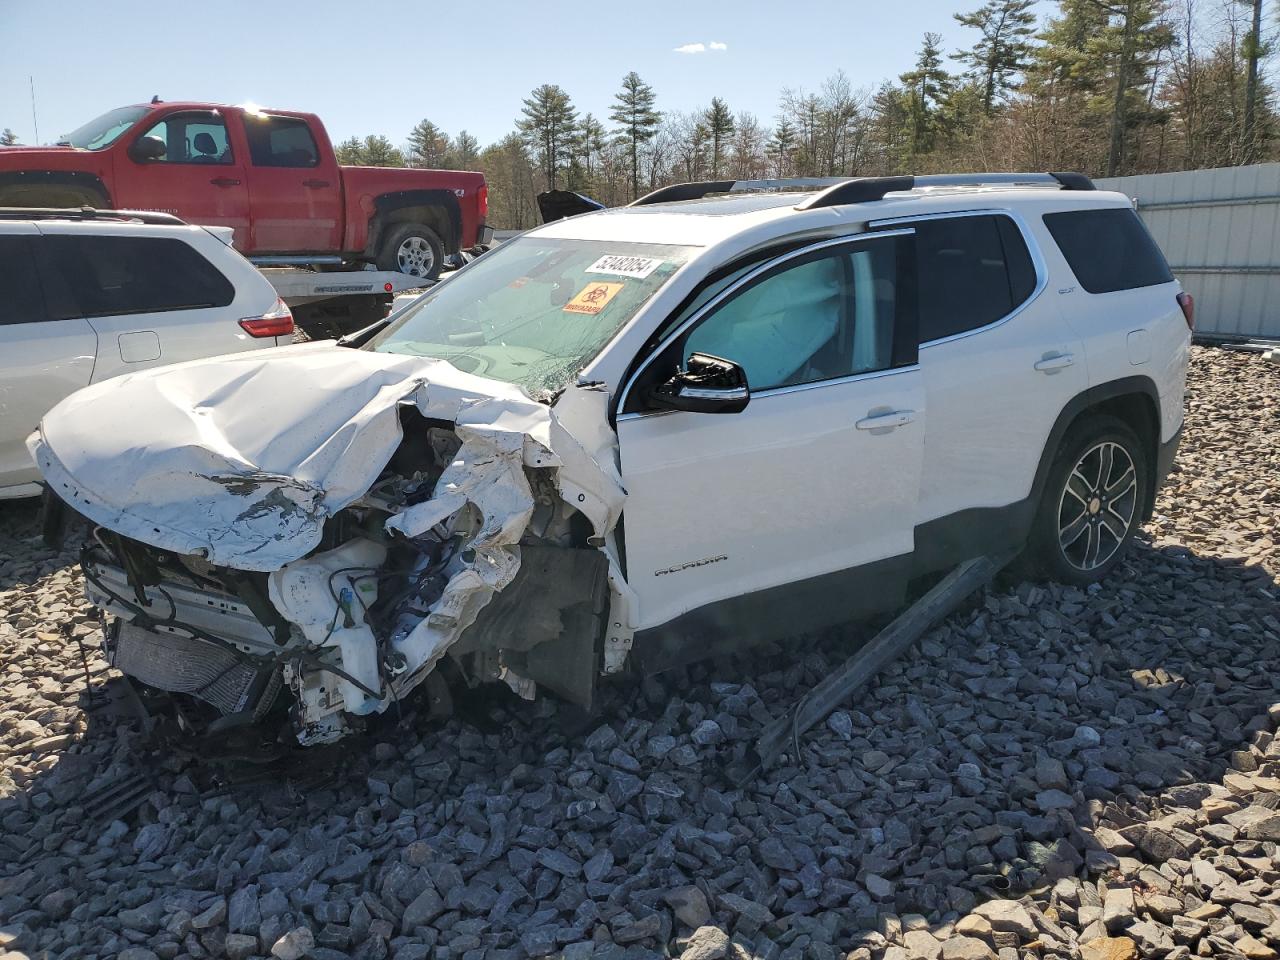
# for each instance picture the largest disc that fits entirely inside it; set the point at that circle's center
(707, 385)
(146, 149)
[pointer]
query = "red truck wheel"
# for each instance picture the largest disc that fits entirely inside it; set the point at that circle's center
(413, 249)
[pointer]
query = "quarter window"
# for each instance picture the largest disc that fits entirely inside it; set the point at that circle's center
(199, 138)
(973, 271)
(280, 142)
(825, 315)
(19, 283)
(1108, 250)
(106, 276)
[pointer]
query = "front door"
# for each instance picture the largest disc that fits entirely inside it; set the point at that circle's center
(197, 174)
(796, 511)
(296, 191)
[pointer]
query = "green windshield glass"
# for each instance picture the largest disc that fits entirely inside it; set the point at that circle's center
(533, 311)
(103, 131)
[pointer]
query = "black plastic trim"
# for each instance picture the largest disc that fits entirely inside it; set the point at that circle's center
(388, 203)
(695, 190)
(58, 178)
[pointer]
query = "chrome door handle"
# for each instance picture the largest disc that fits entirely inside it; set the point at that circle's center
(886, 421)
(1055, 363)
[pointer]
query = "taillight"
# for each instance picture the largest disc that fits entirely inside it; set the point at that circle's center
(1188, 304)
(276, 322)
(483, 195)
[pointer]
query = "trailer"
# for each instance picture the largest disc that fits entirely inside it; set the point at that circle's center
(327, 303)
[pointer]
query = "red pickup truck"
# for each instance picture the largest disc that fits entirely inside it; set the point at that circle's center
(269, 174)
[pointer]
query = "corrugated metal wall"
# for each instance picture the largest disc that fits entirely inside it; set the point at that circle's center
(1220, 230)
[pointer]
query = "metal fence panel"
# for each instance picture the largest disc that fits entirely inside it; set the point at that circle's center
(1220, 230)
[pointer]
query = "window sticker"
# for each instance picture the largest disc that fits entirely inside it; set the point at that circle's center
(593, 298)
(638, 267)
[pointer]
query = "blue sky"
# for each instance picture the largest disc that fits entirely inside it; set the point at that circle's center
(379, 67)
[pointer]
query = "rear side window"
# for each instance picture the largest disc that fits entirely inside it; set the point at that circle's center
(20, 298)
(280, 142)
(973, 271)
(107, 276)
(1109, 249)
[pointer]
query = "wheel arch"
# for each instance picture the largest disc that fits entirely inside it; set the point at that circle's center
(437, 209)
(53, 188)
(1133, 400)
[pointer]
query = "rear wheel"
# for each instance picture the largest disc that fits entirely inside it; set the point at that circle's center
(413, 249)
(1092, 502)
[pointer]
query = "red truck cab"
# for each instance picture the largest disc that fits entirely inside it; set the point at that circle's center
(270, 175)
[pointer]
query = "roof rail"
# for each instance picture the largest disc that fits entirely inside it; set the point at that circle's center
(866, 189)
(87, 213)
(701, 188)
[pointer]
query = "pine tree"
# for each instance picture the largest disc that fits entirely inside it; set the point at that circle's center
(374, 150)
(925, 87)
(547, 123)
(428, 145)
(781, 146)
(8, 138)
(637, 120)
(463, 152)
(718, 121)
(1001, 53)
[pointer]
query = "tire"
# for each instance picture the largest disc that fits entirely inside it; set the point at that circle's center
(413, 249)
(1085, 522)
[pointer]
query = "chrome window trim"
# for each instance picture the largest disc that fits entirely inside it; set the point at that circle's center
(1033, 248)
(742, 281)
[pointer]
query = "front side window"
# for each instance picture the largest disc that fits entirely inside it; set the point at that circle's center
(280, 141)
(199, 138)
(973, 272)
(1109, 249)
(821, 316)
(534, 311)
(108, 276)
(101, 132)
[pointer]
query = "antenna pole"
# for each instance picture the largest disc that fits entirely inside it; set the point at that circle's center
(35, 123)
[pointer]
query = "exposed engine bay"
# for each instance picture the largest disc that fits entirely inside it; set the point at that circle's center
(482, 544)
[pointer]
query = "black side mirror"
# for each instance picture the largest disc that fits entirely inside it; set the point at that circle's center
(147, 148)
(709, 385)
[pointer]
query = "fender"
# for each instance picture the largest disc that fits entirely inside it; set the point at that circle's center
(387, 204)
(32, 182)
(946, 541)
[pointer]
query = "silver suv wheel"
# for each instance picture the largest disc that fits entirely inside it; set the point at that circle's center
(1097, 506)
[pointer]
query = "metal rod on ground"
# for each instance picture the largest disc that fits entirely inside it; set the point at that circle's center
(885, 647)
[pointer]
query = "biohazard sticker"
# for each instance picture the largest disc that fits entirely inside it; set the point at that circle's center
(620, 266)
(593, 298)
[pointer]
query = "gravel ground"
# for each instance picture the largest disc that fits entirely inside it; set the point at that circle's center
(1106, 757)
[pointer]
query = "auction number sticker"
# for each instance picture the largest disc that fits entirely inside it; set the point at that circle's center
(593, 298)
(620, 266)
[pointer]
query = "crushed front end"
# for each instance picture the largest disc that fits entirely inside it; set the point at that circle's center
(234, 582)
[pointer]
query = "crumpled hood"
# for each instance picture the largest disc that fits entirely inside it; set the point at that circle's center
(240, 459)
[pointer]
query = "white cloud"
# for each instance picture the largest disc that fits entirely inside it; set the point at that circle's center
(715, 46)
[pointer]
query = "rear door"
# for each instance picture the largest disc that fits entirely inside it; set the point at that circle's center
(999, 364)
(797, 510)
(150, 300)
(295, 190)
(45, 352)
(200, 177)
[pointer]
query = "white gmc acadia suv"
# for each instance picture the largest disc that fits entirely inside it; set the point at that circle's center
(728, 412)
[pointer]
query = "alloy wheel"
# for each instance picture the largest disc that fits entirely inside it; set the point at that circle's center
(1097, 506)
(415, 257)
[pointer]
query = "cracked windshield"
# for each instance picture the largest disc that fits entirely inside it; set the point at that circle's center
(535, 310)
